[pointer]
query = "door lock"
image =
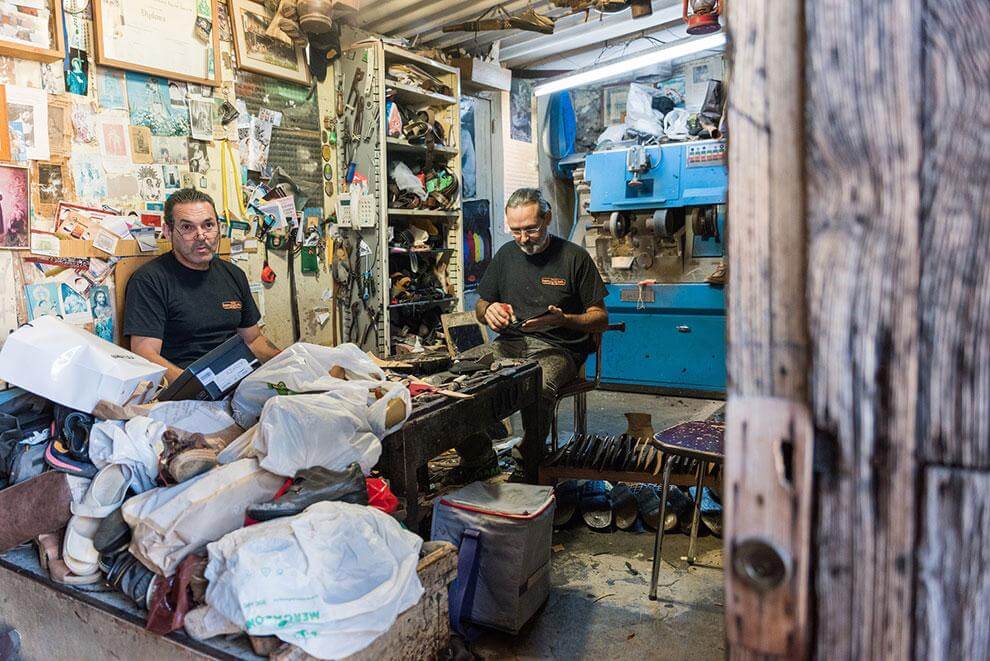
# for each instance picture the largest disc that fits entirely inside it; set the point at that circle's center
(683, 329)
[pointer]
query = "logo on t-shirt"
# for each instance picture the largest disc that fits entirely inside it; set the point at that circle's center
(231, 305)
(553, 282)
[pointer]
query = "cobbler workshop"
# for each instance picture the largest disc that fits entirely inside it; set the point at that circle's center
(507, 329)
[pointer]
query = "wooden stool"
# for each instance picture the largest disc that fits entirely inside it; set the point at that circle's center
(695, 440)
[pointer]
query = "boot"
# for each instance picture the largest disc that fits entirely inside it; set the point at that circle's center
(314, 485)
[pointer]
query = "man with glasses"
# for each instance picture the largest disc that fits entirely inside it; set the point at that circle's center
(187, 302)
(536, 274)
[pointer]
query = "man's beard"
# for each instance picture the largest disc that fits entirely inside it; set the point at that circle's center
(535, 248)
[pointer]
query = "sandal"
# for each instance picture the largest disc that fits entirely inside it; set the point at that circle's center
(106, 494)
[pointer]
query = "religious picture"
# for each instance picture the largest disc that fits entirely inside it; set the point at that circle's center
(15, 207)
(110, 89)
(150, 105)
(140, 144)
(177, 93)
(42, 300)
(150, 182)
(27, 117)
(77, 75)
(75, 306)
(102, 311)
(114, 140)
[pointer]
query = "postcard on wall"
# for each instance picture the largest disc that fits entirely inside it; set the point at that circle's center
(83, 124)
(110, 89)
(90, 177)
(151, 106)
(42, 300)
(150, 181)
(77, 75)
(59, 127)
(114, 141)
(53, 184)
(199, 160)
(141, 144)
(28, 108)
(75, 306)
(106, 241)
(15, 207)
(170, 150)
(43, 243)
(102, 311)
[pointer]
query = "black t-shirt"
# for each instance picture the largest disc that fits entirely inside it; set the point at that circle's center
(563, 275)
(191, 311)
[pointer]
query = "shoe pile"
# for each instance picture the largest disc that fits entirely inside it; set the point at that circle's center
(136, 497)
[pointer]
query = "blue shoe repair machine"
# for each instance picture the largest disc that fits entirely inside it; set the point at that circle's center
(653, 219)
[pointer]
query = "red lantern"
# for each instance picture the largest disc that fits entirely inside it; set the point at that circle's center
(703, 18)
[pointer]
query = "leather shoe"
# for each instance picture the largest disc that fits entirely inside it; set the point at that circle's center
(314, 485)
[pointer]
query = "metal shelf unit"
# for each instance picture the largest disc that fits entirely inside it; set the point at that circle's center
(361, 82)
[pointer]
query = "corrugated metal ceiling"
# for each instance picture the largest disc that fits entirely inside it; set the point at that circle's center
(579, 40)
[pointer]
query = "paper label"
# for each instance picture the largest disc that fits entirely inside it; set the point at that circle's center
(233, 374)
(206, 377)
(45, 244)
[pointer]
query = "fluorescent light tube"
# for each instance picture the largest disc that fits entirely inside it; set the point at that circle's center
(621, 66)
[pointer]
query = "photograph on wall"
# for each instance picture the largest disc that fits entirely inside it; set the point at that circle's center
(83, 124)
(42, 300)
(27, 116)
(26, 23)
(15, 207)
(199, 162)
(110, 89)
(177, 93)
(102, 311)
(171, 177)
(77, 75)
(614, 104)
(51, 183)
(170, 151)
(201, 118)
(521, 109)
(260, 53)
(140, 144)
(150, 105)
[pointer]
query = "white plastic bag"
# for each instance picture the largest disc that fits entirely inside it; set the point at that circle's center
(300, 368)
(329, 580)
(675, 124)
(75, 368)
(406, 180)
(330, 429)
(169, 523)
(136, 443)
(640, 115)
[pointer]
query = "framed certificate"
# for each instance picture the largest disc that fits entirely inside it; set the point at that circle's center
(32, 30)
(175, 40)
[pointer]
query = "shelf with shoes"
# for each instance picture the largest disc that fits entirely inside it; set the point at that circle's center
(386, 88)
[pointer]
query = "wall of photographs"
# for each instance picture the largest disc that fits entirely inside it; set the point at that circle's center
(90, 153)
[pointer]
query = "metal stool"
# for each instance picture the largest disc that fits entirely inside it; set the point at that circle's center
(694, 440)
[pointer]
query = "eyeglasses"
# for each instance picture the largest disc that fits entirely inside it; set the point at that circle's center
(209, 229)
(530, 233)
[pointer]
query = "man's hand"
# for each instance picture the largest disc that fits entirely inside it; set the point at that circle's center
(554, 318)
(498, 315)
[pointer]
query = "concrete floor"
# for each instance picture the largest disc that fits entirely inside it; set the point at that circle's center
(598, 605)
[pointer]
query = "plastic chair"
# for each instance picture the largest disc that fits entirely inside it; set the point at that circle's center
(579, 389)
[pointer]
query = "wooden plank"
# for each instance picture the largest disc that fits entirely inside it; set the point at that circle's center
(955, 309)
(863, 148)
(767, 324)
(953, 601)
(769, 479)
